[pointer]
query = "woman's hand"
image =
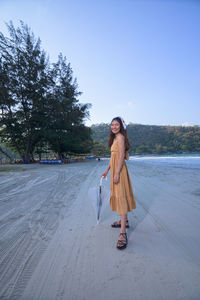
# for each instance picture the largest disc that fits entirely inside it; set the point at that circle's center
(116, 178)
(104, 174)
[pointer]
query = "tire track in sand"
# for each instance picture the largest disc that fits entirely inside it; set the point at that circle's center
(24, 241)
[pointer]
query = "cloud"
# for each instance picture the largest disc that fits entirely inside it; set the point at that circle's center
(127, 105)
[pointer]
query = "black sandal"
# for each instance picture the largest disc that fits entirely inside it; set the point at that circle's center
(121, 244)
(117, 224)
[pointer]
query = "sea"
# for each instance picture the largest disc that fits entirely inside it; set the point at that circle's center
(188, 160)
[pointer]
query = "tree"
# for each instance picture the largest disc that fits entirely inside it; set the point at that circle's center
(39, 101)
(23, 69)
(65, 131)
(4, 152)
(99, 149)
(155, 139)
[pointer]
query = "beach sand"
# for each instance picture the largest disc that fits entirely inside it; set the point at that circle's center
(52, 249)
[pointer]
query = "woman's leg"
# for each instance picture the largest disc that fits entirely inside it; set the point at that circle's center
(123, 219)
(122, 240)
(118, 223)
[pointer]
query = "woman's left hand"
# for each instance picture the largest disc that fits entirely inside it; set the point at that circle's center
(116, 178)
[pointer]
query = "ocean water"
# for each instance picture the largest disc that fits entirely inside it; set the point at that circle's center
(187, 160)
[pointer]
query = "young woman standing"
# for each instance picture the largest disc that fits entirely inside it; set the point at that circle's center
(122, 199)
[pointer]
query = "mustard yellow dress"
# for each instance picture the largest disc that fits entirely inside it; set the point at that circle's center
(122, 199)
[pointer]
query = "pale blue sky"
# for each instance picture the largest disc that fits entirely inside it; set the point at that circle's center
(137, 59)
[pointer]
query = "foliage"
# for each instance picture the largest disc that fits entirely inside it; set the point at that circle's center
(38, 101)
(65, 130)
(155, 139)
(99, 149)
(22, 70)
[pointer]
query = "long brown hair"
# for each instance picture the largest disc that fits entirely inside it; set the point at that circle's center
(122, 131)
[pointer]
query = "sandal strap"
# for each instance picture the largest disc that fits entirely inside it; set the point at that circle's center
(120, 243)
(123, 234)
(125, 238)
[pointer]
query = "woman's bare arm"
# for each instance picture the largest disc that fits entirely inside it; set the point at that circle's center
(106, 172)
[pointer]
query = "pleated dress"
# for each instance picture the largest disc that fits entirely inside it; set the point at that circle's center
(122, 199)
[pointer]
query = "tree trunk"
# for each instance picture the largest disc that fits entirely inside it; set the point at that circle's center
(27, 153)
(6, 154)
(32, 158)
(14, 142)
(59, 155)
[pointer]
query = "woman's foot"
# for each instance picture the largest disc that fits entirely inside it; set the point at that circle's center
(117, 224)
(122, 241)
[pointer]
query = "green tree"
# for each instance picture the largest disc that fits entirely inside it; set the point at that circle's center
(65, 129)
(99, 149)
(39, 101)
(151, 139)
(23, 70)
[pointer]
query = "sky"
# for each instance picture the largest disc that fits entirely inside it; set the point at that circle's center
(139, 59)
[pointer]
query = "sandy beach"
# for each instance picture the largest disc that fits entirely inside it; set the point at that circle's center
(52, 249)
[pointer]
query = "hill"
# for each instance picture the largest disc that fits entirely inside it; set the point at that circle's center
(154, 138)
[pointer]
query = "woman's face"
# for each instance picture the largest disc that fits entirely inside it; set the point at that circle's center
(115, 127)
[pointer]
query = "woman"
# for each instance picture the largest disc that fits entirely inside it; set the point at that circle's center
(122, 199)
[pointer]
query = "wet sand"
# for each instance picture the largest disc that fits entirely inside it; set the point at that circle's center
(51, 247)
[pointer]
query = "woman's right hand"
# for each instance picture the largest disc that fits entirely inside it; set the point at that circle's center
(104, 174)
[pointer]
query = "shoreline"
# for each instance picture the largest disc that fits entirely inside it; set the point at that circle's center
(95, 157)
